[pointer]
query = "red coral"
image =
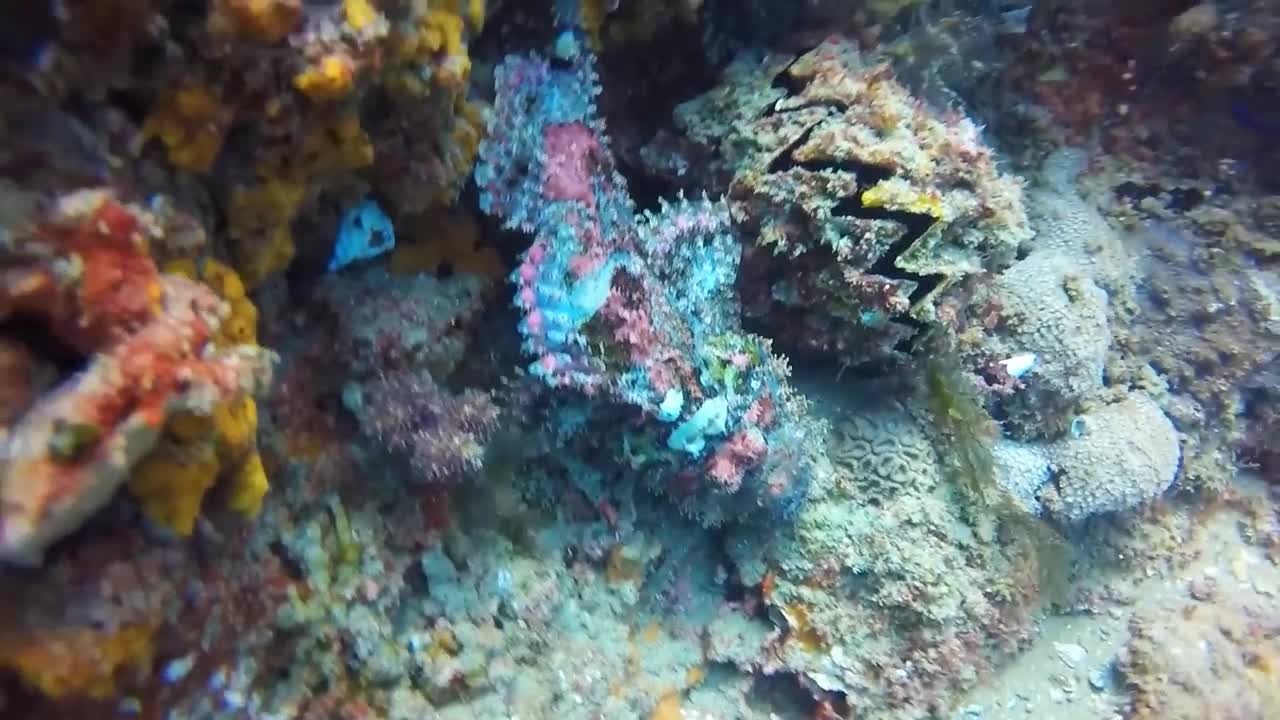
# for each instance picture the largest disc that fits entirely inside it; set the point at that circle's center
(92, 279)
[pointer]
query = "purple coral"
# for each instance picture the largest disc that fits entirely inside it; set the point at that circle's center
(441, 435)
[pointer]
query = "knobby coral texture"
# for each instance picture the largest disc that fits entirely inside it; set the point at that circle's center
(635, 308)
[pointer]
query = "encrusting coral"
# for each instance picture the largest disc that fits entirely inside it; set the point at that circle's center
(149, 344)
(1115, 457)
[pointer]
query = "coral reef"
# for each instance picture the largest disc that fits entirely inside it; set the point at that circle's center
(1048, 307)
(1117, 456)
(1114, 457)
(637, 308)
(873, 204)
(266, 104)
(265, 244)
(887, 594)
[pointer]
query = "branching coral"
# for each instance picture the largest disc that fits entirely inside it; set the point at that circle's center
(441, 435)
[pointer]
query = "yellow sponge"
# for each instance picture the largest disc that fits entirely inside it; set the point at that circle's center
(247, 486)
(170, 483)
(199, 450)
(76, 661)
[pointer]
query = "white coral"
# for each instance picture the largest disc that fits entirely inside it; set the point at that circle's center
(1117, 458)
(1052, 310)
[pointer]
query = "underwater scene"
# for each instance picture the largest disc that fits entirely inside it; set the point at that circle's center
(640, 360)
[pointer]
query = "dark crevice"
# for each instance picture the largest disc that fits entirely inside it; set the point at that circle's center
(886, 266)
(33, 333)
(867, 175)
(784, 80)
(1178, 199)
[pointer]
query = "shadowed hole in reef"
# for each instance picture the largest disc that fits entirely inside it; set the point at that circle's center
(793, 86)
(866, 175)
(32, 333)
(915, 226)
(785, 693)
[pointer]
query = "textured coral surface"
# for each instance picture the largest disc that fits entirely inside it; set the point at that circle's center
(425, 360)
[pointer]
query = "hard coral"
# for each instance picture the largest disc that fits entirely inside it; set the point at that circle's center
(1119, 456)
(1049, 309)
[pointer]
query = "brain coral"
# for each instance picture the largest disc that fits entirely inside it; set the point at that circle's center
(885, 572)
(1068, 224)
(1050, 309)
(885, 454)
(1116, 458)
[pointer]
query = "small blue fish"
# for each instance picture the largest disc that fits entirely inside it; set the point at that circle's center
(365, 232)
